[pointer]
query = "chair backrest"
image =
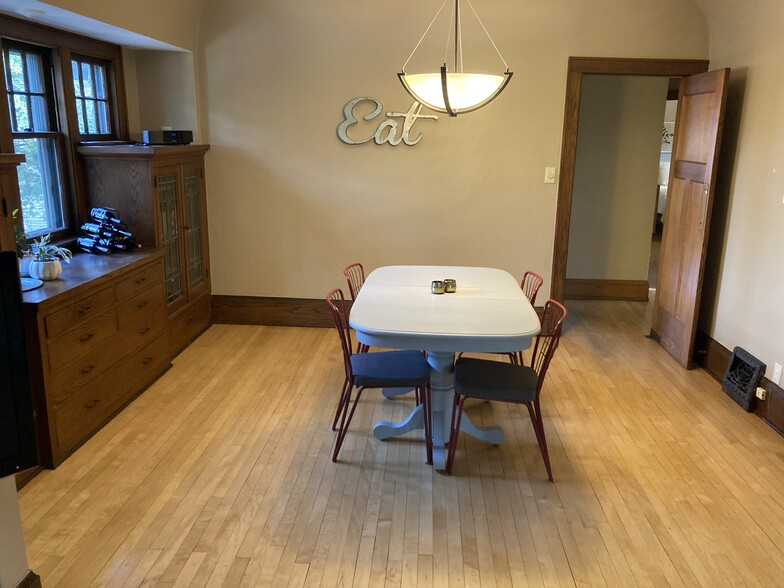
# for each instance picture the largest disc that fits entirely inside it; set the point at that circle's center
(547, 340)
(530, 285)
(337, 303)
(355, 277)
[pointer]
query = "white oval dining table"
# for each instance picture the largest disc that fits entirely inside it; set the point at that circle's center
(395, 309)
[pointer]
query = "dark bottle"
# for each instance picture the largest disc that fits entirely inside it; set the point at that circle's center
(106, 215)
(97, 230)
(122, 244)
(91, 245)
(106, 231)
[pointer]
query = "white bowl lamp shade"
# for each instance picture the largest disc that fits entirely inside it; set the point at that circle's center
(454, 93)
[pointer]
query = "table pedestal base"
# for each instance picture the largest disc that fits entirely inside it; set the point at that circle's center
(442, 384)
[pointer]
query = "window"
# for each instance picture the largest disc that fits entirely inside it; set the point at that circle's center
(93, 106)
(35, 133)
(63, 89)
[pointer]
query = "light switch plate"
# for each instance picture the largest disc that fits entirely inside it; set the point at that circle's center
(776, 379)
(549, 175)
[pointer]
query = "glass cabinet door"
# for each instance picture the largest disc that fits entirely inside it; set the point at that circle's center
(170, 233)
(194, 228)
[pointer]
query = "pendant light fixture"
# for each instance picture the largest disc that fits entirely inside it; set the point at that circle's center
(454, 92)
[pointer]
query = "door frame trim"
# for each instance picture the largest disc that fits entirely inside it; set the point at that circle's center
(579, 66)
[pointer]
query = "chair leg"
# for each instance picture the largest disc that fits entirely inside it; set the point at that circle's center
(345, 421)
(341, 401)
(536, 420)
(454, 431)
(428, 418)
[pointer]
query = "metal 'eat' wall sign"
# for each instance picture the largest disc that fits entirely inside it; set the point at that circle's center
(389, 129)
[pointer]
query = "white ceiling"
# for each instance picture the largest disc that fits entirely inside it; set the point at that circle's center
(57, 17)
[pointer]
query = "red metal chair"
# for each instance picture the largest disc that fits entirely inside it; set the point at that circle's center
(355, 278)
(384, 369)
(506, 382)
(530, 285)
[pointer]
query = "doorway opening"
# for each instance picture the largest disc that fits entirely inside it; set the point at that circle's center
(578, 68)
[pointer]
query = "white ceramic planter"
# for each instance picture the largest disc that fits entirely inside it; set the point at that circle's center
(46, 270)
(24, 265)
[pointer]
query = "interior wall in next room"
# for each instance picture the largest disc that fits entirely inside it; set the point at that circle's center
(616, 176)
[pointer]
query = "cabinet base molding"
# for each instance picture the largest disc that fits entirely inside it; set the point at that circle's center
(606, 289)
(188, 322)
(31, 580)
(713, 357)
(259, 310)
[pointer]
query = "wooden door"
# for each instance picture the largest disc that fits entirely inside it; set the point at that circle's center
(695, 152)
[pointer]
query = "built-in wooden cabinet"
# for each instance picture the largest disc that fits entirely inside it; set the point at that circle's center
(9, 198)
(159, 192)
(96, 337)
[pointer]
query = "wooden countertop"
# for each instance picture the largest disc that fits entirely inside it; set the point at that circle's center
(89, 269)
(110, 151)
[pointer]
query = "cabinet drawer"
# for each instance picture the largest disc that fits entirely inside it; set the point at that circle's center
(147, 363)
(139, 281)
(143, 304)
(86, 337)
(95, 402)
(143, 330)
(79, 372)
(89, 407)
(89, 306)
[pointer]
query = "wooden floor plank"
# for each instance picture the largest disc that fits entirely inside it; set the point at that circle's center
(220, 475)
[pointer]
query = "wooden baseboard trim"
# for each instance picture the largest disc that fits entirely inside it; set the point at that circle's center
(23, 477)
(31, 580)
(259, 310)
(636, 290)
(713, 357)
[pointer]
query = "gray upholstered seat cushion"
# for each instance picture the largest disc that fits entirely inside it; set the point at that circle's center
(390, 369)
(495, 380)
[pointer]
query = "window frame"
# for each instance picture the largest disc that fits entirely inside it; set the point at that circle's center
(107, 65)
(63, 46)
(53, 124)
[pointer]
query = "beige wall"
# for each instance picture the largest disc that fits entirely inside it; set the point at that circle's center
(290, 205)
(746, 258)
(166, 86)
(618, 147)
(286, 195)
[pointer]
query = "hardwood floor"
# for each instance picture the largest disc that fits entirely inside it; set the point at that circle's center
(220, 475)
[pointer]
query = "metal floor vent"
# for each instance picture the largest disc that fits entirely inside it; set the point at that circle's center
(743, 373)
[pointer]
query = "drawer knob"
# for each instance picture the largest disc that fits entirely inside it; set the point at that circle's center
(142, 304)
(140, 281)
(88, 369)
(91, 404)
(86, 337)
(85, 310)
(144, 331)
(147, 360)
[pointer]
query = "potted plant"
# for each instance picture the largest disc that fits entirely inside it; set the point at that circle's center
(21, 242)
(45, 264)
(22, 247)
